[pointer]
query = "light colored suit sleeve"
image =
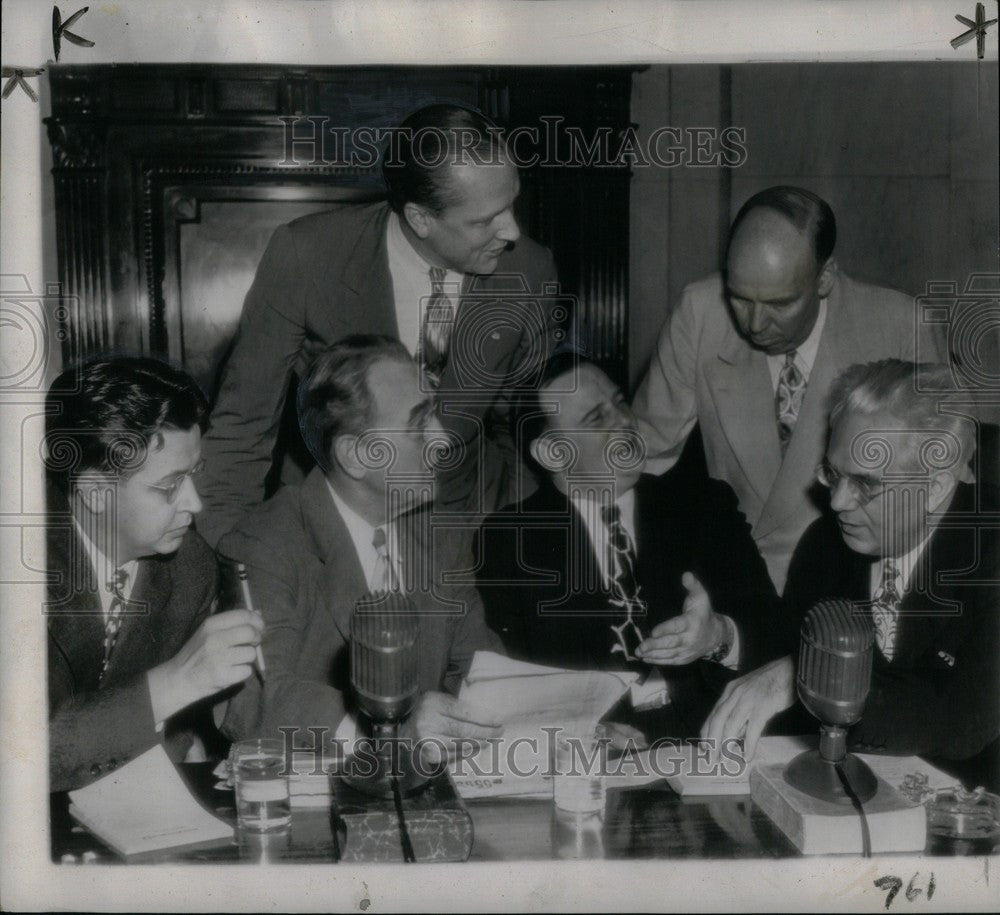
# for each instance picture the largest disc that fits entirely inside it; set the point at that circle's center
(665, 402)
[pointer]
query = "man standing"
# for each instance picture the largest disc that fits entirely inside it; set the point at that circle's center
(913, 544)
(750, 356)
(356, 526)
(431, 267)
(605, 566)
(130, 639)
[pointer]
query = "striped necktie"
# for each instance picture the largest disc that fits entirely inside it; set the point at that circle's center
(625, 588)
(788, 399)
(439, 321)
(885, 610)
(113, 623)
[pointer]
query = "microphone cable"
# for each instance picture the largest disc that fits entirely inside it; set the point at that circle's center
(404, 833)
(866, 838)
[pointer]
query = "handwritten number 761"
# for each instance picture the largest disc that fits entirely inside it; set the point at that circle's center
(892, 885)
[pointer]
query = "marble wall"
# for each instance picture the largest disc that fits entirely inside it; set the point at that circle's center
(905, 153)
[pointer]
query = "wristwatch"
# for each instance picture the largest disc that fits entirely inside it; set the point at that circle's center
(726, 645)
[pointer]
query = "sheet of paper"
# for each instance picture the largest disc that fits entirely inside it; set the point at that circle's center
(531, 701)
(145, 806)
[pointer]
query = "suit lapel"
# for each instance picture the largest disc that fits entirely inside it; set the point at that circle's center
(837, 348)
(483, 338)
(343, 580)
(368, 283)
(142, 622)
(741, 389)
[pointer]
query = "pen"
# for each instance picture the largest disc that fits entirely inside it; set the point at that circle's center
(241, 572)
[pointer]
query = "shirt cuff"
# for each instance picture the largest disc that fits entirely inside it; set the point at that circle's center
(732, 660)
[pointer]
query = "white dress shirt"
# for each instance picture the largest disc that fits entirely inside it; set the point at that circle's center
(411, 284)
(805, 353)
(362, 536)
(905, 566)
(104, 572)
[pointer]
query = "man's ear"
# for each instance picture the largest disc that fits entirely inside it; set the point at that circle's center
(547, 457)
(827, 275)
(345, 456)
(418, 219)
(943, 484)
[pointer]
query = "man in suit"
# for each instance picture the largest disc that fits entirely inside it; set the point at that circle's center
(442, 266)
(131, 643)
(605, 566)
(356, 526)
(749, 355)
(914, 543)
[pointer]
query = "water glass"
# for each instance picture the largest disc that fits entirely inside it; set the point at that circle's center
(578, 785)
(262, 801)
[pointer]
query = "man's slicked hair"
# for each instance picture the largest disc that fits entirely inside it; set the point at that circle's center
(803, 209)
(890, 386)
(416, 165)
(107, 414)
(334, 397)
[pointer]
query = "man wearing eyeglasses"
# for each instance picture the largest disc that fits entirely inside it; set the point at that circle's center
(132, 644)
(913, 540)
(607, 568)
(749, 355)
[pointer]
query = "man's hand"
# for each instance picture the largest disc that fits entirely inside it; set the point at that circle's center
(747, 704)
(696, 632)
(441, 716)
(219, 654)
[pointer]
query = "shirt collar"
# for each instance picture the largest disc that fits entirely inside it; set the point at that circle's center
(805, 352)
(363, 534)
(402, 253)
(905, 566)
(104, 569)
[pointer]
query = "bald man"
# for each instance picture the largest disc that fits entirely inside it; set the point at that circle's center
(750, 355)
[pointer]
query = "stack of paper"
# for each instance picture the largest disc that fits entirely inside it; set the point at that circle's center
(144, 808)
(533, 702)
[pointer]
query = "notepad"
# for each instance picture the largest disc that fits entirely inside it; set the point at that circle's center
(144, 808)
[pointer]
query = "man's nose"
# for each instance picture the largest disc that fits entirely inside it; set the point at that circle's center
(508, 229)
(842, 495)
(189, 500)
(755, 318)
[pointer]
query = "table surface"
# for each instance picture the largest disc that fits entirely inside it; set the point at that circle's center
(651, 822)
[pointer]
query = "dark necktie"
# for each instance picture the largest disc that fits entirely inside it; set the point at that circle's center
(625, 588)
(439, 320)
(885, 610)
(788, 399)
(113, 624)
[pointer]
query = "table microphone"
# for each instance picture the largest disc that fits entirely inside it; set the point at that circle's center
(385, 659)
(834, 677)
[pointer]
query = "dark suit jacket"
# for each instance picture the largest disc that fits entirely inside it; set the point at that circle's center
(94, 728)
(305, 577)
(537, 600)
(940, 695)
(327, 275)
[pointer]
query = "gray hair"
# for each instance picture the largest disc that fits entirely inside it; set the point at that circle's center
(891, 386)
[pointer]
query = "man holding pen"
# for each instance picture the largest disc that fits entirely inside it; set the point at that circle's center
(133, 647)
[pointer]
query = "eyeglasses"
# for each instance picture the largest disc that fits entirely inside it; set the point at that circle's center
(863, 489)
(172, 490)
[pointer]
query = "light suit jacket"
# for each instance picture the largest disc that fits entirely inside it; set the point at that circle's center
(703, 371)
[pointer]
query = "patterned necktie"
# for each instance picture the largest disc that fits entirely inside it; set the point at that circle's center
(439, 320)
(885, 610)
(624, 586)
(788, 399)
(384, 575)
(113, 624)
